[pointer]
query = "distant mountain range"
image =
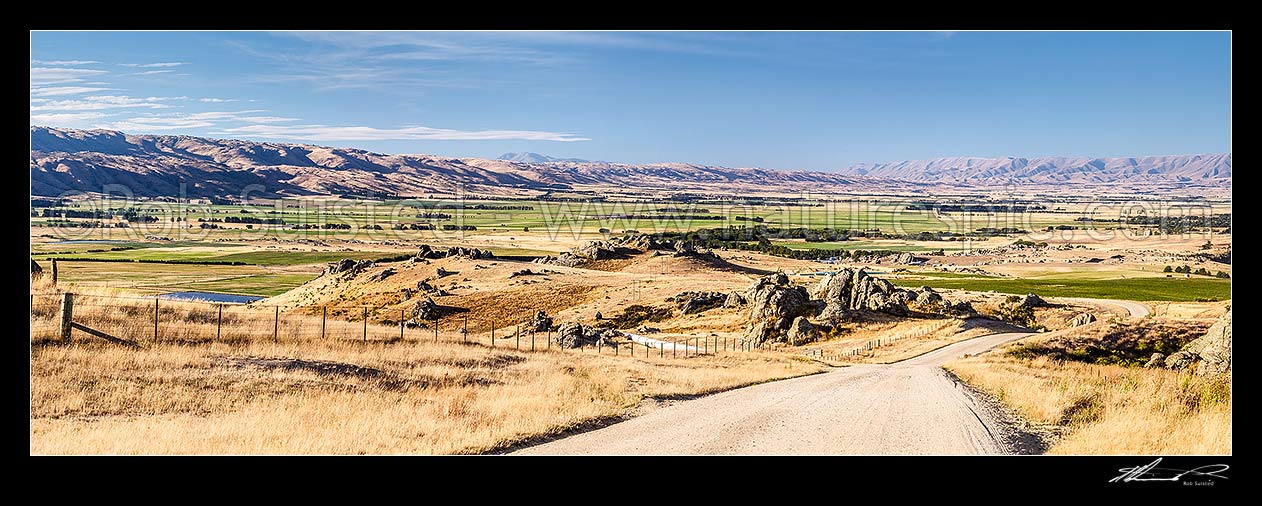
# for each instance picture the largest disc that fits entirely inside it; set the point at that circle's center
(163, 165)
(528, 157)
(64, 160)
(1210, 169)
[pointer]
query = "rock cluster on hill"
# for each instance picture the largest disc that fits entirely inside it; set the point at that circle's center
(780, 311)
(347, 267)
(427, 252)
(1208, 354)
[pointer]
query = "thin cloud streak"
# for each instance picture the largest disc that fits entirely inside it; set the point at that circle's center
(153, 65)
(54, 91)
(65, 62)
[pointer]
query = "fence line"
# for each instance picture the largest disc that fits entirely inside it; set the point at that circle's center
(170, 320)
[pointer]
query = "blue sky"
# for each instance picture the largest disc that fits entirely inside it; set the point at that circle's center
(807, 100)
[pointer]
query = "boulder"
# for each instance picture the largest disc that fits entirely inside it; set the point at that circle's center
(569, 335)
(470, 253)
(1031, 300)
(523, 272)
(834, 291)
(442, 273)
(1208, 354)
(685, 248)
(599, 335)
(695, 302)
(927, 296)
(1081, 319)
(800, 332)
(347, 267)
(426, 310)
(773, 304)
(960, 308)
(540, 322)
(1156, 360)
(381, 276)
(733, 299)
(425, 252)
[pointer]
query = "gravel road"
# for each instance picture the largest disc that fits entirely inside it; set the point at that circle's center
(913, 407)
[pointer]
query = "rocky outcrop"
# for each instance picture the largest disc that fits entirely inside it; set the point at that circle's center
(959, 308)
(381, 276)
(695, 302)
(773, 304)
(892, 259)
(800, 332)
(442, 273)
(426, 310)
(1156, 360)
(1208, 354)
(427, 252)
(469, 253)
(846, 291)
(523, 272)
(1081, 319)
(605, 249)
(347, 267)
(1031, 300)
(569, 335)
(574, 334)
(926, 296)
(734, 299)
(540, 322)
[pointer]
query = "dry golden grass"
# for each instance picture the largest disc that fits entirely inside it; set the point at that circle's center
(190, 392)
(1109, 410)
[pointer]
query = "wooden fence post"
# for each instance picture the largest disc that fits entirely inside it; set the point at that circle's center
(492, 333)
(276, 324)
(517, 338)
(219, 324)
(54, 272)
(323, 317)
(365, 323)
(67, 313)
(400, 324)
(464, 333)
(155, 318)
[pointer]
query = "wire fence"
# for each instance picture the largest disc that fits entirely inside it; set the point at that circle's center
(156, 320)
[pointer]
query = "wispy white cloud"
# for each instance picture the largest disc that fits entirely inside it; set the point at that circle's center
(57, 75)
(53, 91)
(265, 119)
(154, 65)
(100, 102)
(148, 124)
(68, 119)
(64, 62)
(363, 133)
(150, 72)
(212, 100)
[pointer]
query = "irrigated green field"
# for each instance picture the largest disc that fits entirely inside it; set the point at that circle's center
(1151, 288)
